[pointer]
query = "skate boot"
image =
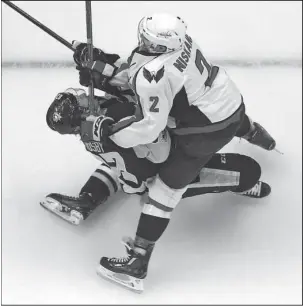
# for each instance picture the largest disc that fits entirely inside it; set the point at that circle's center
(127, 271)
(260, 137)
(260, 190)
(71, 209)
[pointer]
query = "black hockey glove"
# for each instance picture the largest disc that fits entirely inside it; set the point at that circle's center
(86, 76)
(81, 54)
(101, 127)
(96, 128)
(100, 80)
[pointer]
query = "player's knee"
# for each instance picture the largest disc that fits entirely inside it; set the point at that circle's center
(162, 199)
(175, 179)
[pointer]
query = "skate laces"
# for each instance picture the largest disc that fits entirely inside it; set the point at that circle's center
(256, 190)
(72, 198)
(129, 244)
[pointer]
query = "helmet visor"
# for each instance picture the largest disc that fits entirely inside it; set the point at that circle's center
(146, 45)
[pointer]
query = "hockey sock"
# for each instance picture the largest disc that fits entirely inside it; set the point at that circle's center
(98, 190)
(144, 246)
(150, 229)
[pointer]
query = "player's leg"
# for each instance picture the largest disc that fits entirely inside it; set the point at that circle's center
(103, 183)
(130, 271)
(254, 133)
(100, 185)
(229, 172)
(165, 192)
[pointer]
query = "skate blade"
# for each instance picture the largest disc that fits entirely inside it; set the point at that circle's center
(278, 151)
(131, 283)
(249, 196)
(53, 206)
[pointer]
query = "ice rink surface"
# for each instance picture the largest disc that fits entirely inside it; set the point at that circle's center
(218, 249)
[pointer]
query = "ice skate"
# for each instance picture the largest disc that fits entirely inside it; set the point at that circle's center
(260, 137)
(127, 271)
(72, 209)
(260, 190)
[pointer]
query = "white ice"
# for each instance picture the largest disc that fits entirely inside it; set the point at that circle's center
(218, 249)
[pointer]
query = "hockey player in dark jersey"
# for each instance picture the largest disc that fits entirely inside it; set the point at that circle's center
(125, 169)
(177, 87)
(130, 169)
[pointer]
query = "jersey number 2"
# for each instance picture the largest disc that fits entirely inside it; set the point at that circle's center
(154, 108)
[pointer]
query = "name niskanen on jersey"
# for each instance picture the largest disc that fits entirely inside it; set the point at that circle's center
(183, 59)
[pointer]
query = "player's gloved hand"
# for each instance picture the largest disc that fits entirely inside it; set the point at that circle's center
(98, 73)
(105, 71)
(97, 128)
(86, 76)
(81, 54)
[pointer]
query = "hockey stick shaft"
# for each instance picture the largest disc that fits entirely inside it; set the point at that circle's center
(89, 36)
(40, 25)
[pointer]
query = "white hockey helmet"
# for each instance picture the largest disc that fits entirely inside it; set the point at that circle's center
(161, 33)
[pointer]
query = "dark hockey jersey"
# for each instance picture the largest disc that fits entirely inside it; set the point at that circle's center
(129, 167)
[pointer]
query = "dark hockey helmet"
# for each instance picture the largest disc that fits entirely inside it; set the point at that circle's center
(64, 114)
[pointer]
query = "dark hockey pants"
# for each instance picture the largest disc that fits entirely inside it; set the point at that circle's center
(192, 152)
(228, 172)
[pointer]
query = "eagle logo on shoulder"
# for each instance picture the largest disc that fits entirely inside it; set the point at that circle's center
(150, 76)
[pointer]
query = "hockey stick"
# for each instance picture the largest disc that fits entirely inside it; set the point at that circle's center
(62, 40)
(40, 25)
(89, 36)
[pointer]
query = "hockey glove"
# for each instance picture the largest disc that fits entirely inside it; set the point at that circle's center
(86, 76)
(96, 128)
(100, 80)
(81, 54)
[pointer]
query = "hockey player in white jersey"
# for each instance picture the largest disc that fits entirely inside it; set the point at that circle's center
(177, 87)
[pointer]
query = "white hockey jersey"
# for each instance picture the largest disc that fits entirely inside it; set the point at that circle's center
(178, 89)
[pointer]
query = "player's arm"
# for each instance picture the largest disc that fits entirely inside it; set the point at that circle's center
(107, 70)
(111, 65)
(155, 101)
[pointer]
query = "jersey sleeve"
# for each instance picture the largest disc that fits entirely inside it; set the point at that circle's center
(120, 77)
(154, 96)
